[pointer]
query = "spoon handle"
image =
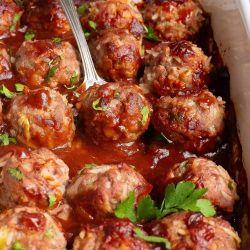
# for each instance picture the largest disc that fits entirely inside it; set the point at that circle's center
(90, 74)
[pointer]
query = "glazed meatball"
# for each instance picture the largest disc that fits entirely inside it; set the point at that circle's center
(176, 68)
(10, 13)
(41, 118)
(111, 235)
(30, 228)
(36, 178)
(98, 191)
(115, 112)
(47, 62)
(116, 53)
(186, 230)
(206, 174)
(196, 121)
(110, 14)
(5, 63)
(174, 20)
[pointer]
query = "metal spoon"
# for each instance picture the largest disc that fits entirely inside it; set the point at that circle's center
(90, 74)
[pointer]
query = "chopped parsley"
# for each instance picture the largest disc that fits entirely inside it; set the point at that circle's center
(150, 34)
(19, 87)
(93, 25)
(87, 166)
(6, 139)
(15, 173)
(73, 79)
(51, 73)
(145, 114)
(56, 40)
(162, 137)
(15, 20)
(142, 50)
(29, 36)
(86, 33)
(6, 92)
(95, 103)
(18, 246)
(49, 233)
(82, 9)
(52, 200)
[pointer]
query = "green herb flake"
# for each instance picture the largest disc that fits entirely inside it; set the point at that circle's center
(95, 107)
(86, 166)
(145, 114)
(15, 173)
(6, 92)
(19, 87)
(51, 73)
(18, 246)
(93, 25)
(6, 139)
(153, 239)
(56, 40)
(86, 33)
(142, 50)
(126, 208)
(82, 9)
(49, 233)
(164, 138)
(73, 79)
(52, 200)
(15, 20)
(230, 185)
(29, 36)
(151, 35)
(20, 2)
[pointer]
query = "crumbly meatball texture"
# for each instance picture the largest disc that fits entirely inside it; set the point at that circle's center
(115, 112)
(110, 14)
(206, 174)
(176, 68)
(5, 63)
(116, 53)
(186, 230)
(174, 20)
(111, 235)
(96, 192)
(32, 178)
(10, 13)
(44, 62)
(41, 118)
(30, 228)
(196, 121)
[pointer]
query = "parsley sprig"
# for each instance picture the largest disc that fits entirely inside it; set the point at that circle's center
(150, 35)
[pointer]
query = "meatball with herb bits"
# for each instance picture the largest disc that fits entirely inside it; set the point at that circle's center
(174, 20)
(41, 118)
(196, 121)
(176, 68)
(32, 178)
(96, 191)
(115, 112)
(186, 230)
(206, 174)
(5, 63)
(116, 53)
(24, 228)
(47, 62)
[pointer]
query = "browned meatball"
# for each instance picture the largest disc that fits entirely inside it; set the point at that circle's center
(186, 231)
(109, 14)
(174, 20)
(47, 62)
(206, 174)
(111, 235)
(30, 228)
(176, 68)
(41, 118)
(5, 63)
(196, 121)
(36, 178)
(52, 15)
(115, 112)
(10, 13)
(116, 53)
(97, 191)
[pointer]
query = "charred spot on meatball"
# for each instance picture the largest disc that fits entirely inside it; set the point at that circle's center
(176, 68)
(41, 118)
(5, 63)
(32, 178)
(196, 121)
(30, 228)
(115, 112)
(116, 53)
(44, 62)
(174, 20)
(187, 230)
(97, 191)
(205, 173)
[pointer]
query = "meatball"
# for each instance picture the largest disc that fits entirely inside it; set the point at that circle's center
(186, 230)
(47, 62)
(97, 191)
(33, 178)
(176, 68)
(116, 53)
(5, 63)
(10, 13)
(196, 120)
(107, 14)
(112, 235)
(115, 112)
(30, 228)
(174, 20)
(41, 118)
(206, 174)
